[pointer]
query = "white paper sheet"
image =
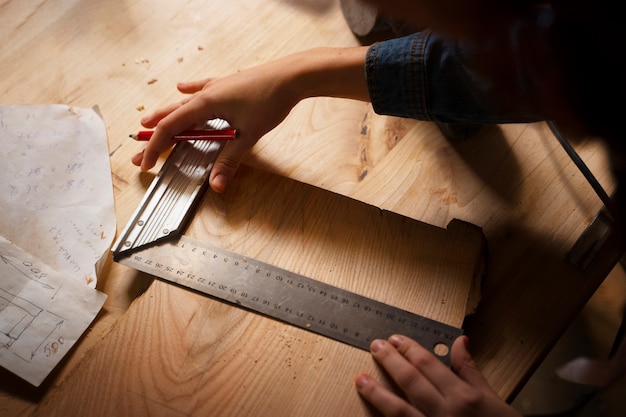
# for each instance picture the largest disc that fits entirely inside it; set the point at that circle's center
(55, 184)
(42, 313)
(57, 212)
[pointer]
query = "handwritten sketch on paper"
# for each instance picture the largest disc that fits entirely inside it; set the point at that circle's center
(58, 222)
(42, 313)
(55, 186)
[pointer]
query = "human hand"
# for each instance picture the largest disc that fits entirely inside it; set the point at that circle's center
(252, 101)
(431, 389)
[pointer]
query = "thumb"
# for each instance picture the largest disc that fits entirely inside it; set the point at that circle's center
(227, 163)
(464, 366)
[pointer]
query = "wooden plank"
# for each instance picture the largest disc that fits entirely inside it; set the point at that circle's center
(179, 352)
(126, 57)
(512, 181)
(533, 204)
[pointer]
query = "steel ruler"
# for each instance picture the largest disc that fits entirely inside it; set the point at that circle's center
(153, 242)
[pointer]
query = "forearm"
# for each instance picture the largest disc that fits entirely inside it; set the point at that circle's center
(326, 72)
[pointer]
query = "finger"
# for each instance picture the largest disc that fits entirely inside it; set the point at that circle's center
(411, 380)
(228, 162)
(178, 120)
(151, 120)
(137, 158)
(190, 87)
(382, 399)
(440, 376)
(464, 366)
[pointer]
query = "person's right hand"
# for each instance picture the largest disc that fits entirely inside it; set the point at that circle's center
(252, 101)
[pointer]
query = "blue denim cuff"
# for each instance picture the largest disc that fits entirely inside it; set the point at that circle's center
(394, 72)
(426, 76)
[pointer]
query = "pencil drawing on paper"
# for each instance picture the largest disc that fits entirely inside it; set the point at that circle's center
(22, 320)
(57, 203)
(16, 314)
(40, 313)
(19, 318)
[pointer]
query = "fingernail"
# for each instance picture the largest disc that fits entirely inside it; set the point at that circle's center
(361, 381)
(377, 345)
(219, 183)
(395, 341)
(136, 159)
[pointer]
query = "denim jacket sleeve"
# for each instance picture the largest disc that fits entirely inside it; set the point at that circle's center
(425, 76)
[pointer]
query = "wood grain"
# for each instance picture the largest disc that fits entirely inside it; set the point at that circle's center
(178, 352)
(513, 181)
(532, 203)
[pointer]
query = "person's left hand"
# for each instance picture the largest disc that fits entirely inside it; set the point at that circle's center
(431, 389)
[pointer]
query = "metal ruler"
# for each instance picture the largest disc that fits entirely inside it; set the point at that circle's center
(169, 201)
(153, 242)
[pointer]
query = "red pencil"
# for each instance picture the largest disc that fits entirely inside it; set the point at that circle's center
(209, 134)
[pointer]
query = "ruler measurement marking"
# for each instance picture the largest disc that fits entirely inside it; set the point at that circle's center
(276, 292)
(147, 244)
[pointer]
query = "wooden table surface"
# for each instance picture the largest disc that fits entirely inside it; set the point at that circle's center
(514, 181)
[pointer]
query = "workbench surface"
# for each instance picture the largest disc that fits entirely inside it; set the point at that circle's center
(513, 181)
